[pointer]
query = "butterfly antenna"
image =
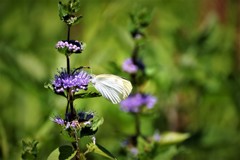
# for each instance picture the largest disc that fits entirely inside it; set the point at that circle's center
(80, 68)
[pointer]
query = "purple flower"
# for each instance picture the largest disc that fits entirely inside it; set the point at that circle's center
(134, 151)
(58, 120)
(134, 102)
(72, 46)
(156, 136)
(75, 81)
(65, 124)
(150, 101)
(129, 66)
(74, 124)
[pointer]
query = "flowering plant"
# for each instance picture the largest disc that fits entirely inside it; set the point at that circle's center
(73, 84)
(138, 145)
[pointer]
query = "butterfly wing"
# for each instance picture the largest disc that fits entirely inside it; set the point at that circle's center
(112, 87)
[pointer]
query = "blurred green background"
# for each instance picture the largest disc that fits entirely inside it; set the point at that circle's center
(192, 54)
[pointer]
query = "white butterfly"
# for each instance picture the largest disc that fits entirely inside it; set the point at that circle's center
(112, 87)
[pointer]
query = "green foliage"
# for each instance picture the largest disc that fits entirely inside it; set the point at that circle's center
(67, 11)
(172, 138)
(98, 149)
(191, 61)
(29, 150)
(62, 153)
(87, 95)
(92, 129)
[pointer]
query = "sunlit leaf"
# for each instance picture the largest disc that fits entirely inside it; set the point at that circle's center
(173, 137)
(98, 149)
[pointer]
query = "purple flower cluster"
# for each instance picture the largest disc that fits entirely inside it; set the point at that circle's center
(65, 124)
(82, 118)
(75, 81)
(129, 67)
(58, 120)
(72, 46)
(134, 102)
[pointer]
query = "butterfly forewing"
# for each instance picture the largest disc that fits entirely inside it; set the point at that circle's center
(112, 87)
(108, 93)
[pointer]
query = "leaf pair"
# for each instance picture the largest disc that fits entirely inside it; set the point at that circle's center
(68, 10)
(67, 153)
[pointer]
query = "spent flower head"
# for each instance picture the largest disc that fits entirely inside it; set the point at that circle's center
(75, 81)
(85, 116)
(135, 101)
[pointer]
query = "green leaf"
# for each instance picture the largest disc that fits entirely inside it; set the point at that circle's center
(87, 131)
(92, 128)
(67, 11)
(87, 95)
(173, 137)
(62, 153)
(49, 86)
(98, 149)
(77, 20)
(29, 150)
(3, 142)
(167, 153)
(66, 136)
(62, 9)
(74, 5)
(143, 145)
(63, 50)
(96, 123)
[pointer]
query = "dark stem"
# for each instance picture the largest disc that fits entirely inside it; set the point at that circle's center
(137, 124)
(134, 81)
(135, 54)
(70, 99)
(72, 110)
(134, 59)
(68, 33)
(67, 108)
(68, 64)
(67, 56)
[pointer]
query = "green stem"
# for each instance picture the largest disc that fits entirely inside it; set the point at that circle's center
(76, 146)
